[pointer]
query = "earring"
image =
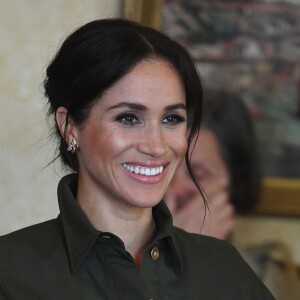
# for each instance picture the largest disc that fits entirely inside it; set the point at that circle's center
(72, 146)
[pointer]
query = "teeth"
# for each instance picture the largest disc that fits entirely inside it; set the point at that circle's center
(144, 171)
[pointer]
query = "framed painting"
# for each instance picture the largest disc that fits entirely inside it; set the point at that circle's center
(252, 47)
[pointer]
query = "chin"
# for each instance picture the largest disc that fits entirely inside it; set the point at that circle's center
(141, 202)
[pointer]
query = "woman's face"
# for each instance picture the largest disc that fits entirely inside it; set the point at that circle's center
(208, 166)
(135, 136)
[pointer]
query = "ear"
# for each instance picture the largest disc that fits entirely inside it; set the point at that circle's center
(65, 124)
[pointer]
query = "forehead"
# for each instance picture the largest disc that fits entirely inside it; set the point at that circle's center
(149, 80)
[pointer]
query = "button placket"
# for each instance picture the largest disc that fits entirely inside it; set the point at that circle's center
(154, 253)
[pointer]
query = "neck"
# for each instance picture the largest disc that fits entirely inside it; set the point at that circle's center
(120, 219)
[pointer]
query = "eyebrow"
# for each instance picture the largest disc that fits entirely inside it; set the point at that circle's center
(141, 107)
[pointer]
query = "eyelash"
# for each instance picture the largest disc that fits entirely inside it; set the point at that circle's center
(131, 119)
(178, 119)
(123, 119)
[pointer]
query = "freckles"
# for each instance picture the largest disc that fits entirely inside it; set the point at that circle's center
(184, 149)
(184, 146)
(180, 144)
(117, 141)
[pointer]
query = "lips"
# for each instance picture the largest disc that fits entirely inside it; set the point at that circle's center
(144, 170)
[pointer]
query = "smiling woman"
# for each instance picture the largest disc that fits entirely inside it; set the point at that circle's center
(140, 123)
(126, 103)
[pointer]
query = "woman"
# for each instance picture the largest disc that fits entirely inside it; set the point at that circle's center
(225, 162)
(125, 100)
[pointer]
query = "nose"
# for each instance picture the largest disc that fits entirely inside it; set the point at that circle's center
(152, 142)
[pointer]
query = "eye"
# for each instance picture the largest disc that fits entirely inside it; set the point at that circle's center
(173, 119)
(128, 119)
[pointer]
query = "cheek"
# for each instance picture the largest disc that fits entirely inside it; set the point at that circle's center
(184, 147)
(112, 141)
(101, 143)
(179, 144)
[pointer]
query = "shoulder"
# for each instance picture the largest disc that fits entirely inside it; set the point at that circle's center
(217, 257)
(202, 244)
(32, 232)
(217, 265)
(30, 241)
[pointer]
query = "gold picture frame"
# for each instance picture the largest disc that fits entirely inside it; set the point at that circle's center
(280, 196)
(146, 12)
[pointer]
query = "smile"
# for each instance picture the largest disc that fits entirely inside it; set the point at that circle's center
(144, 171)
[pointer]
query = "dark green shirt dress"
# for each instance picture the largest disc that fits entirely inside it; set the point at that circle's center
(67, 258)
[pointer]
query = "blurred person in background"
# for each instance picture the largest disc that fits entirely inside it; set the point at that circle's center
(225, 161)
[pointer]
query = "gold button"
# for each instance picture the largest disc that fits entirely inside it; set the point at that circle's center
(154, 253)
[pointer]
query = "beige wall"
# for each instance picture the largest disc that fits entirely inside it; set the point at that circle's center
(30, 31)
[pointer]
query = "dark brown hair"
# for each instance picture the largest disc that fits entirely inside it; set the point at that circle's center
(96, 56)
(227, 117)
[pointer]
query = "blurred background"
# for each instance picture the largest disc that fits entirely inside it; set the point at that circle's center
(252, 48)
(260, 62)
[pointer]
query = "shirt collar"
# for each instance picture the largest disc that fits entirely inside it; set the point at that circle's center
(81, 235)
